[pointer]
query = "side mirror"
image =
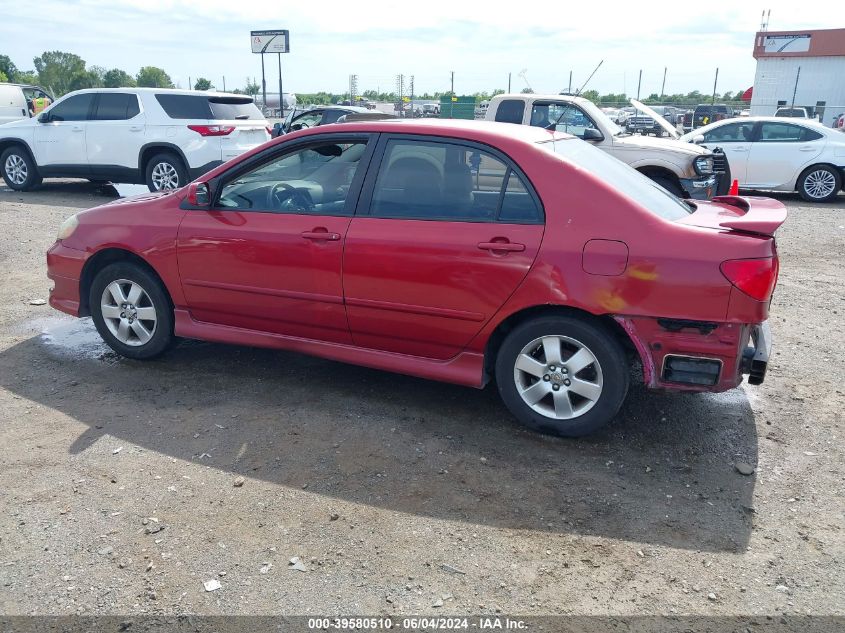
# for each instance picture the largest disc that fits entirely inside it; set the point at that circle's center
(698, 139)
(199, 194)
(592, 134)
(43, 118)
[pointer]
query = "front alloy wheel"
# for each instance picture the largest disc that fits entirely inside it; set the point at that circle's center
(128, 312)
(131, 310)
(16, 169)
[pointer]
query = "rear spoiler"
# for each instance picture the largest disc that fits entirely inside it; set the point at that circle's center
(749, 214)
(764, 216)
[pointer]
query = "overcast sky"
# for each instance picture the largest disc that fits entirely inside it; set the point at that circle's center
(482, 41)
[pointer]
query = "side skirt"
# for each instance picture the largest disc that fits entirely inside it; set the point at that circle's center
(464, 369)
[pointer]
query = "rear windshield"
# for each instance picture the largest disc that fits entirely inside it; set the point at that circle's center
(621, 177)
(202, 107)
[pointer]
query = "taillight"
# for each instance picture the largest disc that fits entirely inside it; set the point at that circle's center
(212, 130)
(754, 277)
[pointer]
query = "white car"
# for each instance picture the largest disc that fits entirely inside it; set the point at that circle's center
(778, 154)
(164, 138)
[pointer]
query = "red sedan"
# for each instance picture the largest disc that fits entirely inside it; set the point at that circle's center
(455, 251)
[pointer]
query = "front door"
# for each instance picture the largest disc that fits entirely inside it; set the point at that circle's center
(735, 140)
(445, 234)
(780, 153)
(268, 255)
(60, 140)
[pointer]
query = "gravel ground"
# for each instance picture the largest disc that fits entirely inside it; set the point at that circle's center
(127, 485)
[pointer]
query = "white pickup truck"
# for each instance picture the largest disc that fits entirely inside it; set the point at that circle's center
(684, 169)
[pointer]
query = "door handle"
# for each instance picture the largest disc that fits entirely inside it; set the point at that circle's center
(508, 247)
(806, 149)
(76, 128)
(321, 233)
(739, 149)
(136, 128)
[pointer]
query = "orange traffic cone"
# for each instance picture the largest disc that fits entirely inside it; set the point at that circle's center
(734, 190)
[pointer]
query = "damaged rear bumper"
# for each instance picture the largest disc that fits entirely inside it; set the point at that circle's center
(689, 355)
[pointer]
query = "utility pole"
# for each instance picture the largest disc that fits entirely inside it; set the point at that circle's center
(412, 96)
(663, 86)
(453, 82)
(400, 94)
(263, 88)
(281, 94)
(224, 83)
(713, 99)
(509, 83)
(795, 89)
(190, 84)
(353, 88)
(639, 83)
(569, 90)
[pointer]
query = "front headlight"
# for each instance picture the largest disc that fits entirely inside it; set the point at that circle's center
(67, 228)
(703, 165)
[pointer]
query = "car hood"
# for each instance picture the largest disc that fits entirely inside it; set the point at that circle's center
(654, 143)
(668, 127)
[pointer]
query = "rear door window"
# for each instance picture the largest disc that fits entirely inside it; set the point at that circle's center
(116, 106)
(433, 180)
(781, 133)
(510, 111)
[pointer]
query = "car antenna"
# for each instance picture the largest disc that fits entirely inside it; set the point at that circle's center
(553, 126)
(578, 92)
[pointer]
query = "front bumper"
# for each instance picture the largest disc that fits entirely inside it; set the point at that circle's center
(700, 188)
(64, 268)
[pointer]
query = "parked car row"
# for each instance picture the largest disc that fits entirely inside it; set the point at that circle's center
(367, 243)
(681, 168)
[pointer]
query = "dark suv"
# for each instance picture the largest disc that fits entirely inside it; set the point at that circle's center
(641, 122)
(706, 113)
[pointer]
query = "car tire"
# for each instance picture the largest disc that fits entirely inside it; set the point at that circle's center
(19, 170)
(591, 382)
(672, 186)
(166, 172)
(819, 183)
(132, 311)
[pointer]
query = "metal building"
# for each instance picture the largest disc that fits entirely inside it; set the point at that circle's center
(801, 68)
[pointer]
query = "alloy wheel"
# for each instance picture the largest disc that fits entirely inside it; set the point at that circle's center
(165, 177)
(16, 169)
(819, 184)
(558, 377)
(128, 312)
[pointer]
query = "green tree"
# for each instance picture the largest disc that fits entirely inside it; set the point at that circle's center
(59, 71)
(251, 88)
(153, 77)
(592, 95)
(3, 76)
(202, 84)
(527, 91)
(28, 77)
(8, 68)
(116, 78)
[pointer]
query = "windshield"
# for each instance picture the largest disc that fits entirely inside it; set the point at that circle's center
(623, 178)
(592, 110)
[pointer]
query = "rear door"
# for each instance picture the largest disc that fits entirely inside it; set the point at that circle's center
(736, 141)
(60, 141)
(444, 233)
(780, 152)
(115, 135)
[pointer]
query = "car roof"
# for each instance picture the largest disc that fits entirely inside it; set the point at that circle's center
(170, 91)
(483, 131)
(537, 97)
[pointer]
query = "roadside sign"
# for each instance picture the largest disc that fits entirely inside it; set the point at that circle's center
(270, 41)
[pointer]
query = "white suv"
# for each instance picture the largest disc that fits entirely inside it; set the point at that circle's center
(164, 138)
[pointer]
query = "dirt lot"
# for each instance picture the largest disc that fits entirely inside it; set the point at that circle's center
(400, 495)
